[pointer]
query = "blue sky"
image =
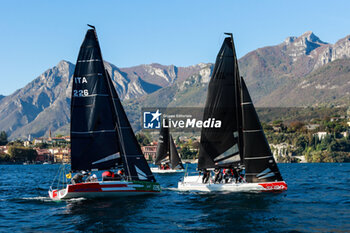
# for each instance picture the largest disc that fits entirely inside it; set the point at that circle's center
(36, 35)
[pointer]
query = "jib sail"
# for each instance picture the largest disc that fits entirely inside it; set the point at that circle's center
(175, 160)
(260, 165)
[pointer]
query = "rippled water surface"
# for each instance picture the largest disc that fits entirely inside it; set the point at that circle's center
(318, 200)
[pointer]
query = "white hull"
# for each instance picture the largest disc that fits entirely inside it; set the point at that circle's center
(194, 183)
(105, 189)
(157, 170)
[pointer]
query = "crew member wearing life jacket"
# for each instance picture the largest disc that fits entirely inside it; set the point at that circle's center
(166, 167)
(78, 178)
(121, 172)
(107, 175)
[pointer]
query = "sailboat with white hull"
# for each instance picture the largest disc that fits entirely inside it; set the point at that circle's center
(167, 158)
(240, 144)
(101, 135)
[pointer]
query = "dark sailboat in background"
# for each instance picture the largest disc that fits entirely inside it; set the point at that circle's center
(167, 153)
(240, 143)
(101, 135)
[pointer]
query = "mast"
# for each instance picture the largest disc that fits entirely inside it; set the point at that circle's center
(238, 99)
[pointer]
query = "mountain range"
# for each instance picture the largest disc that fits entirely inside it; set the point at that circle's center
(300, 71)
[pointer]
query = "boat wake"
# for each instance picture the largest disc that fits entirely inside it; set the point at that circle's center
(77, 199)
(37, 198)
(187, 191)
(171, 189)
(48, 199)
(26, 199)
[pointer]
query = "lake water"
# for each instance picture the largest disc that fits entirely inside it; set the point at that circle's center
(317, 200)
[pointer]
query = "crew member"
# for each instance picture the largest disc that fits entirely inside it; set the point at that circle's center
(235, 174)
(121, 172)
(218, 175)
(107, 175)
(91, 178)
(227, 174)
(206, 175)
(78, 178)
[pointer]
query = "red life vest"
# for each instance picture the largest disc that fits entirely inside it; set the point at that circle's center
(107, 174)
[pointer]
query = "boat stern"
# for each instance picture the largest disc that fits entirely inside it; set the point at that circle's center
(58, 194)
(274, 186)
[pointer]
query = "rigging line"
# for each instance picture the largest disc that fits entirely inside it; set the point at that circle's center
(58, 179)
(55, 178)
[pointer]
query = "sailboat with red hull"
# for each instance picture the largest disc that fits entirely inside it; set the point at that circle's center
(101, 135)
(240, 144)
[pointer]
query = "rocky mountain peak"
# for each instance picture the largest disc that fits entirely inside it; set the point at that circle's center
(329, 53)
(297, 47)
(289, 40)
(311, 37)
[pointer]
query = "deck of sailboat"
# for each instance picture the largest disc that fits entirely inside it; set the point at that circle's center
(194, 183)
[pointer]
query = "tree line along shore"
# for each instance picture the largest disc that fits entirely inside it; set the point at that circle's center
(299, 135)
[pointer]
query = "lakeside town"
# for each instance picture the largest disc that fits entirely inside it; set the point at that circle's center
(317, 140)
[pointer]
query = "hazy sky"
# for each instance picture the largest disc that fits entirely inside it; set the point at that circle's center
(36, 35)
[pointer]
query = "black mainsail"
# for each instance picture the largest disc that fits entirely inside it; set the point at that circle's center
(166, 148)
(241, 138)
(219, 147)
(101, 135)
